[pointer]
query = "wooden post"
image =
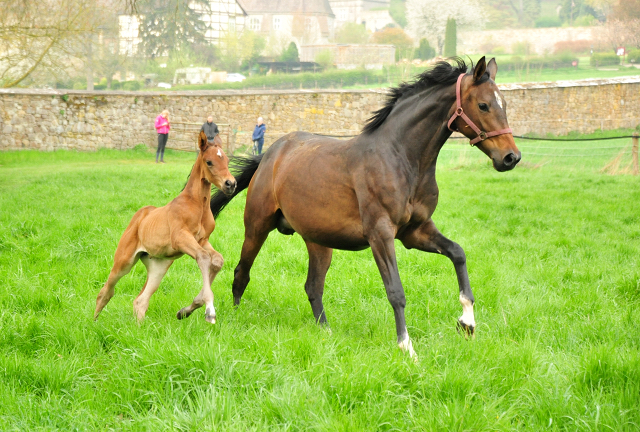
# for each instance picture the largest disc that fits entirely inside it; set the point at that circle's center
(634, 153)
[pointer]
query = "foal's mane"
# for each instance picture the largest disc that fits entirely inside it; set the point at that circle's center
(443, 73)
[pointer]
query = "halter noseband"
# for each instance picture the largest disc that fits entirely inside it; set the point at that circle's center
(460, 113)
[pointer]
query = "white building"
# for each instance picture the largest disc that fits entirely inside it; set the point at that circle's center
(353, 10)
(301, 21)
(222, 16)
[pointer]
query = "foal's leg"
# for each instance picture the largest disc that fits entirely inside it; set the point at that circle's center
(319, 262)
(125, 258)
(205, 297)
(156, 269)
(426, 237)
(184, 242)
(381, 237)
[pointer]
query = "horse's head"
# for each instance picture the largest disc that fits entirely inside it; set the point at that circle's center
(486, 109)
(215, 164)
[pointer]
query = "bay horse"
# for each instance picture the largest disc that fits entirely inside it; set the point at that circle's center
(159, 236)
(376, 187)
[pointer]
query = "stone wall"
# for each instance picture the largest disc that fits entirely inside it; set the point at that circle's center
(541, 40)
(53, 119)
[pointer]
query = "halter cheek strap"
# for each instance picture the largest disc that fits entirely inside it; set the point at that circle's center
(460, 113)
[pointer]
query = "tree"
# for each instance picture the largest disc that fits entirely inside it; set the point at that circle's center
(397, 11)
(325, 59)
(616, 33)
(45, 39)
(167, 26)
(627, 10)
(450, 38)
(290, 54)
(352, 33)
(428, 18)
(425, 51)
(572, 9)
(240, 50)
(526, 11)
(395, 36)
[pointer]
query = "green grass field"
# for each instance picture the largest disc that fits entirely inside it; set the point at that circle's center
(553, 251)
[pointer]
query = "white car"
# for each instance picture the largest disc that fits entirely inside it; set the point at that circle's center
(235, 77)
(164, 85)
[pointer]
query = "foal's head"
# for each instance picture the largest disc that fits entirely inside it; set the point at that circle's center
(484, 105)
(215, 164)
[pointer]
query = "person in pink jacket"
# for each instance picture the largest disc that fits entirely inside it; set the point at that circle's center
(162, 126)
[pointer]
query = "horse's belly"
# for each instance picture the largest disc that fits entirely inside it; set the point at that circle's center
(330, 227)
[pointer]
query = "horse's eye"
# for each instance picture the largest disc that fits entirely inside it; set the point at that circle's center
(209, 163)
(483, 107)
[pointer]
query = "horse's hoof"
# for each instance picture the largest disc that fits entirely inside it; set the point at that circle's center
(467, 330)
(182, 314)
(210, 319)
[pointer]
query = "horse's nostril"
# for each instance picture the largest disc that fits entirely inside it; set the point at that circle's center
(509, 159)
(228, 183)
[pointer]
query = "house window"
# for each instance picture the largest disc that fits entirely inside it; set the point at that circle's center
(254, 24)
(277, 23)
(232, 23)
(307, 24)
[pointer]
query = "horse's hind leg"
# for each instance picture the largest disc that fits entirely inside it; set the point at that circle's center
(156, 269)
(319, 262)
(125, 258)
(252, 244)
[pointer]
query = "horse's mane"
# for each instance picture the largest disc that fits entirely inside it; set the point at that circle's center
(443, 73)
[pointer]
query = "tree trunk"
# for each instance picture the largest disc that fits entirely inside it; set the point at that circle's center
(89, 65)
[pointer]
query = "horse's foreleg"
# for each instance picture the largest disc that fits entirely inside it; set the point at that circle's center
(124, 260)
(319, 262)
(381, 241)
(184, 242)
(205, 296)
(156, 269)
(426, 237)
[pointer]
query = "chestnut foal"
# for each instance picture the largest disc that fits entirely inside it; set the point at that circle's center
(158, 236)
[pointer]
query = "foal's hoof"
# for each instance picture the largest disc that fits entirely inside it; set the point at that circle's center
(182, 313)
(210, 319)
(467, 330)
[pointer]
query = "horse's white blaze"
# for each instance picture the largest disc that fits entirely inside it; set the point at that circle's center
(406, 345)
(220, 153)
(498, 98)
(467, 311)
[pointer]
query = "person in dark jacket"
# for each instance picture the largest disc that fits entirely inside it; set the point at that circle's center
(258, 134)
(210, 129)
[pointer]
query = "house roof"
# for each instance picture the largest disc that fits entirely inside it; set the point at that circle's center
(253, 7)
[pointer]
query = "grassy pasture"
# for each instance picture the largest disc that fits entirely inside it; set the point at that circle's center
(552, 251)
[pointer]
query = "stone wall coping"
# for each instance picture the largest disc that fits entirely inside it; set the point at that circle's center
(516, 86)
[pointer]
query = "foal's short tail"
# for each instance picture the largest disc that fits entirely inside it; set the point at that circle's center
(243, 169)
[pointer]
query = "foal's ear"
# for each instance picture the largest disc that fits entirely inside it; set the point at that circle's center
(202, 141)
(492, 68)
(481, 68)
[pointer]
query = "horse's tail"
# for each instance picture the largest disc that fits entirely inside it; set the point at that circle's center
(243, 169)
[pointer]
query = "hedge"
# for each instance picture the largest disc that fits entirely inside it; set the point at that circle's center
(604, 59)
(517, 63)
(634, 56)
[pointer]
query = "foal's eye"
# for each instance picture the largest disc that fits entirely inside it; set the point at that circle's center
(483, 107)
(209, 163)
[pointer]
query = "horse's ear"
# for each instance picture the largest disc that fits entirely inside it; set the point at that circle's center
(492, 68)
(202, 141)
(481, 68)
